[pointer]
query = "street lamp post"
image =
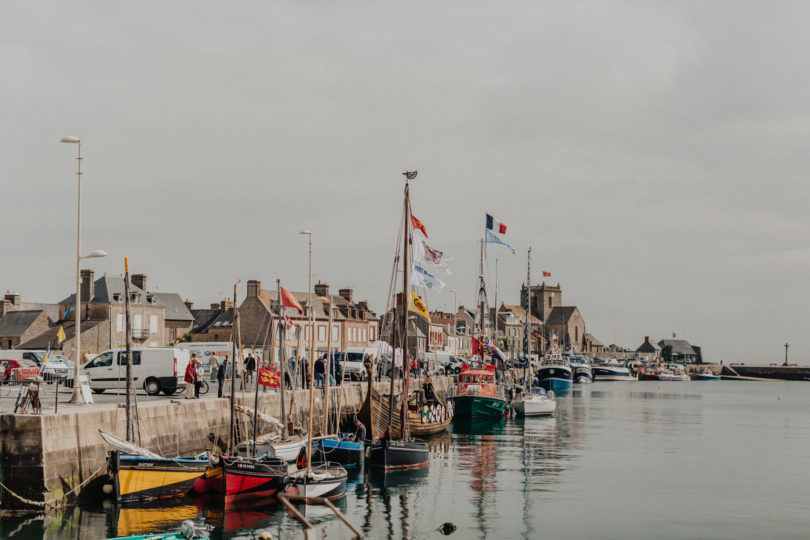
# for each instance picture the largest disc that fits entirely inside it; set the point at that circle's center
(77, 396)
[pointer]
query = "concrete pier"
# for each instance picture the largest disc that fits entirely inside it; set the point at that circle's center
(42, 457)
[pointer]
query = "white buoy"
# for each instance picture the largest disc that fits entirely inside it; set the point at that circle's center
(107, 489)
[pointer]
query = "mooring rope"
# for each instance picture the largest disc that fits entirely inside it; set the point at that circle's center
(56, 499)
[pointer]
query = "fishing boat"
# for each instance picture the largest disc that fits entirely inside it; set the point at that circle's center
(707, 375)
(581, 369)
(477, 394)
(555, 373)
(611, 370)
(137, 474)
(188, 531)
(535, 402)
(236, 479)
(397, 449)
(676, 374)
(341, 448)
(139, 478)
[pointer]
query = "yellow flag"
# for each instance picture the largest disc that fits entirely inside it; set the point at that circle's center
(416, 305)
(60, 336)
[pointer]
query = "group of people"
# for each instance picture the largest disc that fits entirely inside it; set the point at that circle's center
(302, 374)
(195, 373)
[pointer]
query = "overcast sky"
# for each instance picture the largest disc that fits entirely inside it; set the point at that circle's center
(654, 155)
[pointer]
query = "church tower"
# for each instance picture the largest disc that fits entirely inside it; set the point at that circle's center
(544, 298)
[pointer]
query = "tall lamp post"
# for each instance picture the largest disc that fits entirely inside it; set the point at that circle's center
(77, 395)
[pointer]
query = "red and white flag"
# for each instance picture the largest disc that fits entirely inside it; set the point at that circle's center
(418, 225)
(288, 300)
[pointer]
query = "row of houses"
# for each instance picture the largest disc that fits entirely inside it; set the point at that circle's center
(163, 318)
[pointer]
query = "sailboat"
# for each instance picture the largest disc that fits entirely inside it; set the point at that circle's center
(136, 474)
(533, 401)
(397, 449)
(324, 480)
(477, 393)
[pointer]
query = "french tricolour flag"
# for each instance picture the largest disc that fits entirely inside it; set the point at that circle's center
(495, 225)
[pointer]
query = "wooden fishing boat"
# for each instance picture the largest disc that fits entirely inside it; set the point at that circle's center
(137, 478)
(393, 445)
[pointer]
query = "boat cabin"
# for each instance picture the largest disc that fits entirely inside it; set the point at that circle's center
(478, 382)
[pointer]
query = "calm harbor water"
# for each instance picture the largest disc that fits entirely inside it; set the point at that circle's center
(618, 460)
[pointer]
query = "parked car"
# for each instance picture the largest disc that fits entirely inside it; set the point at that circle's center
(26, 369)
(51, 370)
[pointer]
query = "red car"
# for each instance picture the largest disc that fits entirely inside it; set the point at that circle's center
(28, 368)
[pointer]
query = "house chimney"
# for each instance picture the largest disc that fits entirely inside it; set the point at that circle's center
(215, 306)
(88, 290)
(139, 280)
(13, 298)
(348, 294)
(322, 289)
(189, 304)
(253, 288)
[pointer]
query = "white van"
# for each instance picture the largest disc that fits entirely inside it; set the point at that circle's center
(355, 370)
(206, 349)
(154, 369)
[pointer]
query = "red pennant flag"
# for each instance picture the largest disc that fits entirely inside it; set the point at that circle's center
(546, 274)
(288, 300)
(269, 378)
(418, 225)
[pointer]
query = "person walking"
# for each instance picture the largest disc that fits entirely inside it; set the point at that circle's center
(213, 365)
(250, 368)
(199, 373)
(221, 373)
(188, 378)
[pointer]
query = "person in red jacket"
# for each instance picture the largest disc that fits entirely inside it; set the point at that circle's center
(189, 377)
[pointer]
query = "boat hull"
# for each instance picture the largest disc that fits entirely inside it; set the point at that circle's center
(394, 455)
(240, 480)
(346, 453)
(612, 374)
(535, 407)
(329, 483)
(139, 479)
(466, 407)
(557, 378)
(700, 377)
(582, 374)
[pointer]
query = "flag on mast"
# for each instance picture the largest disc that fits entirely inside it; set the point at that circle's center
(416, 305)
(423, 253)
(288, 300)
(546, 274)
(424, 278)
(418, 225)
(493, 238)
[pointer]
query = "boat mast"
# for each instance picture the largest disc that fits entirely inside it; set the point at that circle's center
(527, 347)
(130, 426)
(405, 361)
(311, 363)
(232, 436)
(282, 359)
(327, 371)
(482, 299)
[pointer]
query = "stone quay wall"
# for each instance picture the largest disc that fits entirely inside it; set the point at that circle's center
(43, 457)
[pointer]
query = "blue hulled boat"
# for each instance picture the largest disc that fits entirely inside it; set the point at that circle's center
(555, 374)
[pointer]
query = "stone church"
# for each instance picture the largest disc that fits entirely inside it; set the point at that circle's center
(563, 324)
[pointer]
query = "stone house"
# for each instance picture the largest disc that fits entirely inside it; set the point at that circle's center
(682, 350)
(214, 324)
(353, 323)
(19, 326)
(649, 350)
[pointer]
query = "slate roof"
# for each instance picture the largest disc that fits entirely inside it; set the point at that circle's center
(679, 346)
(649, 347)
(203, 319)
(15, 323)
(104, 290)
(560, 314)
(174, 307)
(49, 336)
(520, 312)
